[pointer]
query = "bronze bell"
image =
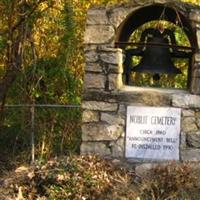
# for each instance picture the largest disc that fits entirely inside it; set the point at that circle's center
(157, 59)
(154, 47)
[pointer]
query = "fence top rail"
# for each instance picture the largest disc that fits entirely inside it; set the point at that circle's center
(42, 105)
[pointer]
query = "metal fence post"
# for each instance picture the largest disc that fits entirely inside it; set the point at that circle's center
(32, 109)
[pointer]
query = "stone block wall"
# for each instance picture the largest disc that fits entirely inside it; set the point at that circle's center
(103, 128)
(190, 126)
(105, 97)
(103, 70)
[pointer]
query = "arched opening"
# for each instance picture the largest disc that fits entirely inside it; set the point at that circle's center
(174, 19)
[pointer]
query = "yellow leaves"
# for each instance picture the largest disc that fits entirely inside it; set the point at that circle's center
(43, 6)
(197, 2)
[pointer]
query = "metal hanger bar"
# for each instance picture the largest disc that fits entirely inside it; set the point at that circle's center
(154, 44)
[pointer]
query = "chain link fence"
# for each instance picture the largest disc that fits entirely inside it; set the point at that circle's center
(32, 132)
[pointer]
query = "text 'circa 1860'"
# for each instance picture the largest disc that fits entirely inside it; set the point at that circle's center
(152, 133)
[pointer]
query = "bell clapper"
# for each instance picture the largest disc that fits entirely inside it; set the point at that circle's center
(156, 80)
(156, 77)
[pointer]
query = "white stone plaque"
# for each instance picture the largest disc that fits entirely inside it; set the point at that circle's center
(152, 133)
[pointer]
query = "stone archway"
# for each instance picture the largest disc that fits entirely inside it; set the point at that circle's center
(173, 13)
(153, 12)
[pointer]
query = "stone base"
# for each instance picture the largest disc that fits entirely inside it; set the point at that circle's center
(104, 122)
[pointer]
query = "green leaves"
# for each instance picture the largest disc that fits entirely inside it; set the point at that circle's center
(2, 43)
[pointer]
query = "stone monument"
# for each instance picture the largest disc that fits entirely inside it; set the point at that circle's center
(108, 103)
